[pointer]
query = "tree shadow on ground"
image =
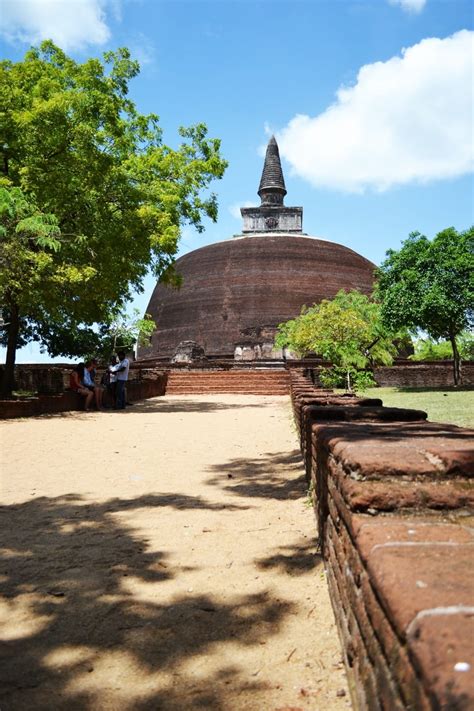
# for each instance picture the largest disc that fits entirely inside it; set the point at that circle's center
(68, 570)
(273, 476)
(156, 405)
(181, 405)
(293, 559)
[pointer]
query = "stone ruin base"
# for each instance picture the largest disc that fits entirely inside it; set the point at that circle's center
(188, 352)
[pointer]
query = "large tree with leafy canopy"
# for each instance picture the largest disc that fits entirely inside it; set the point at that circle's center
(348, 331)
(80, 152)
(429, 285)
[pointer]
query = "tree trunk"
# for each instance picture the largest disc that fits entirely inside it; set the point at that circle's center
(8, 379)
(456, 360)
(348, 381)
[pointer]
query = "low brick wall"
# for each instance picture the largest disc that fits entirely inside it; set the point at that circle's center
(422, 374)
(402, 374)
(145, 383)
(393, 496)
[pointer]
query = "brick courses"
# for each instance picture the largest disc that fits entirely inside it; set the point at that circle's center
(252, 282)
(393, 496)
(258, 381)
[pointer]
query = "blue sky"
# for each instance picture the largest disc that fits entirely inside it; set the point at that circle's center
(370, 100)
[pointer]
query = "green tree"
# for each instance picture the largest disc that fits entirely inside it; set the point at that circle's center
(77, 147)
(346, 330)
(29, 243)
(429, 285)
(430, 349)
(126, 331)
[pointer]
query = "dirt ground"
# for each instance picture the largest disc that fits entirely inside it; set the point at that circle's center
(163, 558)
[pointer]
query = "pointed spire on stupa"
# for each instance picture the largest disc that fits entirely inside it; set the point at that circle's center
(272, 216)
(272, 188)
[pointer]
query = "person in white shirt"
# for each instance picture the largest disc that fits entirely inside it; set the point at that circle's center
(109, 381)
(121, 373)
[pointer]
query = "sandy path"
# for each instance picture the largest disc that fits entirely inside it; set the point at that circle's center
(163, 558)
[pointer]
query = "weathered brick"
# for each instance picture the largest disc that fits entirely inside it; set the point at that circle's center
(374, 532)
(382, 589)
(374, 623)
(443, 648)
(412, 577)
(361, 675)
(402, 450)
(390, 496)
(367, 413)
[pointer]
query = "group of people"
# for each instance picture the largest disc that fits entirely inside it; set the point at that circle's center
(83, 381)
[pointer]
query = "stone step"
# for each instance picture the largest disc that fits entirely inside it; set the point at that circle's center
(243, 391)
(243, 382)
(225, 377)
(205, 393)
(253, 381)
(232, 374)
(229, 380)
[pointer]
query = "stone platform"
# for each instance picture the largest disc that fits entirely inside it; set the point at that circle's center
(246, 382)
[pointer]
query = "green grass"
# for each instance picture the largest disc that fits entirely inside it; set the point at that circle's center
(455, 407)
(24, 393)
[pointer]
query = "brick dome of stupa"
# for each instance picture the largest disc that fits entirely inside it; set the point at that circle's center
(242, 288)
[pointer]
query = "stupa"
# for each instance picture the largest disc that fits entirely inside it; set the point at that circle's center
(236, 292)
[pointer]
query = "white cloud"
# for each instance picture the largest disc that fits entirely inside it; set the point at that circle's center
(414, 6)
(142, 49)
(406, 120)
(72, 24)
(235, 208)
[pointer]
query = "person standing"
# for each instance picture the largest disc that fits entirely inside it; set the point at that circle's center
(121, 373)
(109, 381)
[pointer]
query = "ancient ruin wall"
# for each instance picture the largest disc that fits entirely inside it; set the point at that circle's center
(394, 500)
(416, 374)
(404, 373)
(143, 383)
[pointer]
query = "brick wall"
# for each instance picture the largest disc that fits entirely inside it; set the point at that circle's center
(404, 373)
(422, 374)
(393, 496)
(144, 383)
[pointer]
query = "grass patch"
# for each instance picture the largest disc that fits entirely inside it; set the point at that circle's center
(454, 406)
(21, 394)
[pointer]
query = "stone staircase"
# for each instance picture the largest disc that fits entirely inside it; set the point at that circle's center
(257, 381)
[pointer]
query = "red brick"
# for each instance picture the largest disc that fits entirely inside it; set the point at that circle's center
(375, 532)
(412, 577)
(438, 643)
(355, 412)
(407, 450)
(392, 496)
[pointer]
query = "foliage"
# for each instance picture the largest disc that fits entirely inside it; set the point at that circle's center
(348, 378)
(430, 349)
(99, 173)
(346, 330)
(126, 331)
(466, 345)
(429, 285)
(29, 240)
